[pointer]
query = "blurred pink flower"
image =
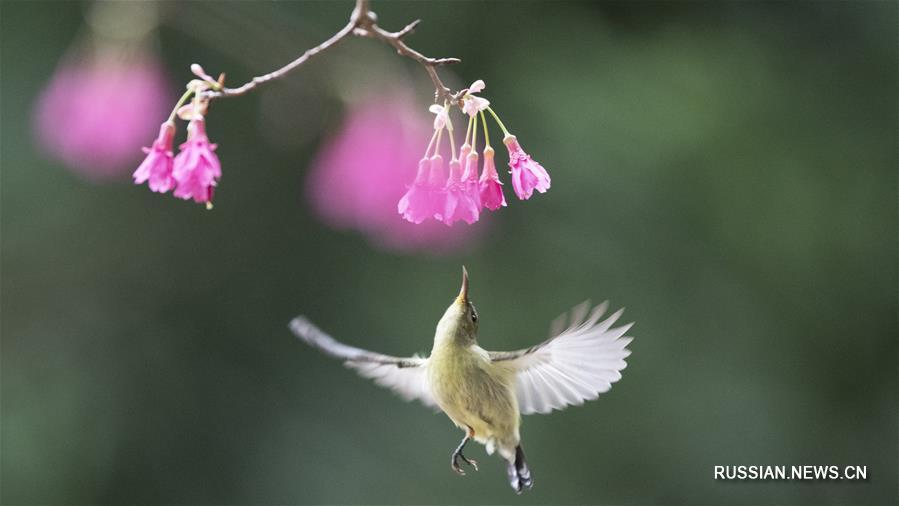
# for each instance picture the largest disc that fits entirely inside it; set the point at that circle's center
(491, 188)
(527, 174)
(197, 167)
(95, 114)
(364, 169)
(157, 166)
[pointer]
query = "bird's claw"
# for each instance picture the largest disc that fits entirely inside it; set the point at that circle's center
(457, 468)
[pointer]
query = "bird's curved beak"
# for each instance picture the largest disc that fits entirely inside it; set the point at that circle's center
(463, 292)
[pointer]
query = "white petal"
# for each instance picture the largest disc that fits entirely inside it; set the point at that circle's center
(442, 117)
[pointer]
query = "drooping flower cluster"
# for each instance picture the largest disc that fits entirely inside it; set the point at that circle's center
(462, 194)
(195, 171)
(385, 124)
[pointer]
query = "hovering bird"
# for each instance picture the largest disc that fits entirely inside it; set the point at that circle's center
(485, 392)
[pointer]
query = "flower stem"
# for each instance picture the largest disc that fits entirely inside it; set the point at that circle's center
(181, 102)
(498, 122)
(431, 144)
(486, 133)
(449, 121)
(452, 137)
(468, 130)
(474, 137)
(449, 131)
(439, 138)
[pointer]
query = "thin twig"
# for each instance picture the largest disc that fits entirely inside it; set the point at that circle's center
(363, 23)
(395, 39)
(281, 72)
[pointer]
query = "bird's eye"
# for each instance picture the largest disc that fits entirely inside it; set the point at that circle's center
(474, 315)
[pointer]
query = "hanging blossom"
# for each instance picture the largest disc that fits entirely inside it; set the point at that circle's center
(157, 166)
(461, 203)
(527, 174)
(463, 194)
(426, 197)
(197, 168)
(489, 186)
(195, 171)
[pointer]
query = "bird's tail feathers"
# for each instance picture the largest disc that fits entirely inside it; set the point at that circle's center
(519, 473)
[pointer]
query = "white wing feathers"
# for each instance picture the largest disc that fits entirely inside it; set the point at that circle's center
(574, 365)
(406, 376)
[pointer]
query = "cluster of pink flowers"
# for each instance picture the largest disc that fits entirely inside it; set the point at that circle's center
(384, 125)
(461, 194)
(195, 171)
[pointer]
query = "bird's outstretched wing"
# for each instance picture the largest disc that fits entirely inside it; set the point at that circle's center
(407, 377)
(576, 364)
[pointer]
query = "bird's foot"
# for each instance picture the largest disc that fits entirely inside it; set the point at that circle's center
(455, 463)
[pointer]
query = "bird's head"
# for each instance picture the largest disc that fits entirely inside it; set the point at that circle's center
(460, 321)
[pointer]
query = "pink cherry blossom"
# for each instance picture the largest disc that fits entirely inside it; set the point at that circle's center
(459, 202)
(157, 166)
(470, 178)
(527, 174)
(437, 192)
(95, 114)
(416, 205)
(364, 168)
(491, 188)
(197, 168)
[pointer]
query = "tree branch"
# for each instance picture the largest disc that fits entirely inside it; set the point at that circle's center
(362, 23)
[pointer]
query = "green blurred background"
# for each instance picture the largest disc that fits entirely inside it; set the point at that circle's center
(726, 171)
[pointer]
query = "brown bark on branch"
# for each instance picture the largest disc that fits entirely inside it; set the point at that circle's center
(362, 23)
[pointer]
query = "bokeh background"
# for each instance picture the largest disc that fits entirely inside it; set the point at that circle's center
(726, 171)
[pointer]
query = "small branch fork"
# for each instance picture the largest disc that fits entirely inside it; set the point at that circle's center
(362, 23)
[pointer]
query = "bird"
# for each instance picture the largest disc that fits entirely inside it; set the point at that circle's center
(484, 393)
